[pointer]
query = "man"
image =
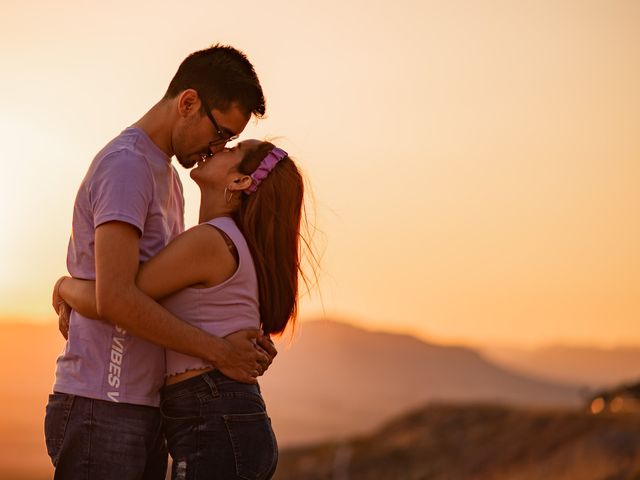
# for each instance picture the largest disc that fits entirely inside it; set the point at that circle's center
(103, 420)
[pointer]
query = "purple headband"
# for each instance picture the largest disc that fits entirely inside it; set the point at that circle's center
(266, 165)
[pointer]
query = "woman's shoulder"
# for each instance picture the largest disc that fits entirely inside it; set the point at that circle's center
(203, 239)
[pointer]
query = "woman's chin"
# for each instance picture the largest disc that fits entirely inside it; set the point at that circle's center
(194, 174)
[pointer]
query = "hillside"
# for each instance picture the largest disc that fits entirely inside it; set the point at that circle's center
(336, 380)
(592, 367)
(478, 442)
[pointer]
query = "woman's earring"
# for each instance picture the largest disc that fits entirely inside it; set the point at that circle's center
(227, 199)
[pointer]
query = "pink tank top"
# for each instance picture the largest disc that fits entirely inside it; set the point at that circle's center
(221, 309)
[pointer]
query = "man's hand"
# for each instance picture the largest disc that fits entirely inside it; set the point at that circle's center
(243, 359)
(267, 346)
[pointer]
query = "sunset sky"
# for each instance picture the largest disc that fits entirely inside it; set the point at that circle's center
(475, 164)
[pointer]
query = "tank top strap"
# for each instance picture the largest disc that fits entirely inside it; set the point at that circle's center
(228, 226)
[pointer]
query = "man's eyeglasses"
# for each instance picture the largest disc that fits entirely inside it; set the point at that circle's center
(223, 137)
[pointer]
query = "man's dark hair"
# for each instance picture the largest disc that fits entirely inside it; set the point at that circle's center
(221, 75)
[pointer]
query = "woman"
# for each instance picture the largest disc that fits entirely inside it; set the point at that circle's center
(237, 269)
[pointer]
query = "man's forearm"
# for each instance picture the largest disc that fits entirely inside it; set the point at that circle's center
(142, 316)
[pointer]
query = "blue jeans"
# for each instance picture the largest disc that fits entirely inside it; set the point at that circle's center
(96, 439)
(218, 428)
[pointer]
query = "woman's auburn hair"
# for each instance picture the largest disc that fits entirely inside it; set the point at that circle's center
(269, 219)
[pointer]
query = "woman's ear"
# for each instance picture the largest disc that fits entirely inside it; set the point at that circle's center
(240, 183)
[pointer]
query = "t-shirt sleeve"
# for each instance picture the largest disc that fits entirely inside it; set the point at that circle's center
(121, 189)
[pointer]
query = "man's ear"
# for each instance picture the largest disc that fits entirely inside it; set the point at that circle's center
(240, 183)
(188, 102)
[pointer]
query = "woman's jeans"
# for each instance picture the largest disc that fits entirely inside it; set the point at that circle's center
(218, 428)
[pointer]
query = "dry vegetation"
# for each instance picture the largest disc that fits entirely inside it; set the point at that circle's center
(479, 442)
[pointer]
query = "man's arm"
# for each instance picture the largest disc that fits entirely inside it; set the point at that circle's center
(119, 301)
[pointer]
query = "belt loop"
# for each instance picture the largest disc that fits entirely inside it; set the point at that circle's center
(211, 383)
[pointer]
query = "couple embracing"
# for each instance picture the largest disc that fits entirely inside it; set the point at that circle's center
(167, 330)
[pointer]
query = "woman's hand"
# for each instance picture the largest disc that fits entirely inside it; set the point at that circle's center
(56, 299)
(61, 308)
(64, 311)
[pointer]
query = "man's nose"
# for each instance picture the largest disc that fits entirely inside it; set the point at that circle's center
(218, 148)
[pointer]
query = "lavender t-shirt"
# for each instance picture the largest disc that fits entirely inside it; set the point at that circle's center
(130, 180)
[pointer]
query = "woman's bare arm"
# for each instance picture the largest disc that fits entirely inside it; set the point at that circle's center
(198, 256)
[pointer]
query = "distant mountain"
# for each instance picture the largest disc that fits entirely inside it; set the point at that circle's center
(336, 380)
(481, 442)
(592, 367)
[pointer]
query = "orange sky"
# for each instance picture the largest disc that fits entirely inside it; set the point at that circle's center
(475, 164)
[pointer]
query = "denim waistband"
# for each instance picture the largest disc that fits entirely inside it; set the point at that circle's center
(211, 380)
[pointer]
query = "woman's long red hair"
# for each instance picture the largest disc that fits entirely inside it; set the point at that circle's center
(270, 221)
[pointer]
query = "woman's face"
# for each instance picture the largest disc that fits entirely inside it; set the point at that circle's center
(222, 168)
